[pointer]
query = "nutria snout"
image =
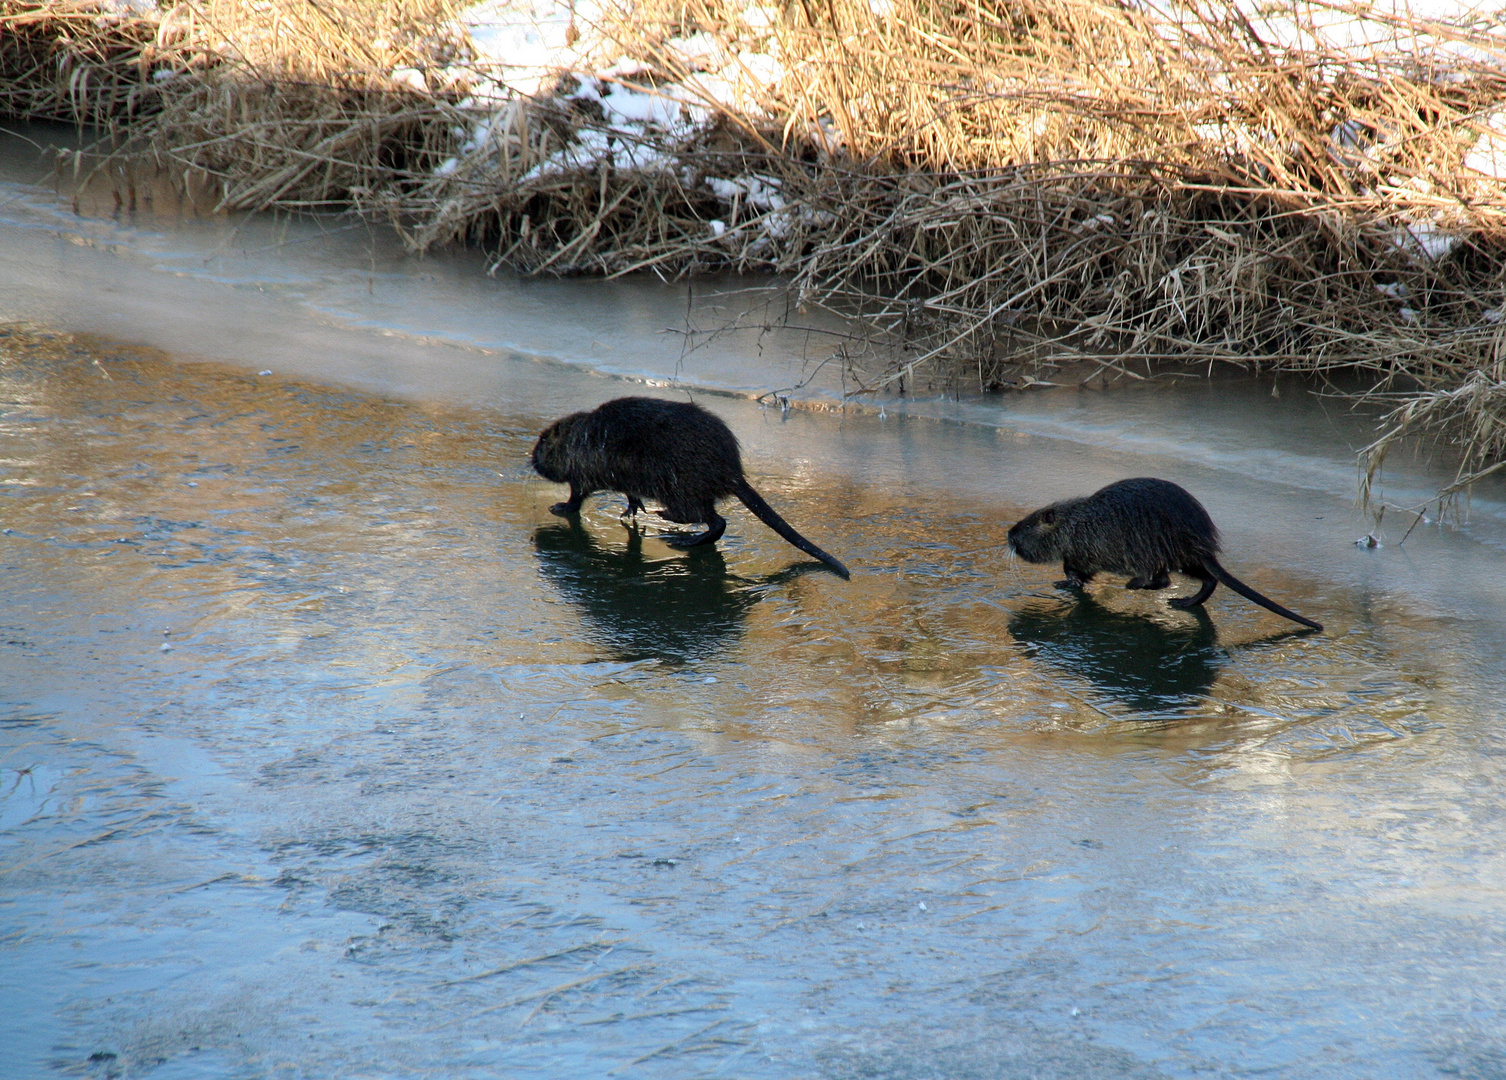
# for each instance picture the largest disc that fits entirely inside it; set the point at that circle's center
(673, 452)
(1143, 528)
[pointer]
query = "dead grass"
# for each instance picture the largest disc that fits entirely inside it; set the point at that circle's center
(67, 61)
(283, 106)
(997, 189)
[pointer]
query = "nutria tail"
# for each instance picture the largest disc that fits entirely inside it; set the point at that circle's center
(1248, 593)
(754, 502)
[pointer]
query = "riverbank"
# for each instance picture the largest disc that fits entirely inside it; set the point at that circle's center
(1002, 196)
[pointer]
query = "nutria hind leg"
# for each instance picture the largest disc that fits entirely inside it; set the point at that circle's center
(1075, 578)
(1209, 583)
(715, 526)
(1159, 580)
(571, 507)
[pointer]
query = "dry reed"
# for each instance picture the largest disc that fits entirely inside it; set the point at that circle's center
(74, 61)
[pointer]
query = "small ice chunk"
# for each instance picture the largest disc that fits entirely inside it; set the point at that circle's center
(719, 229)
(1488, 155)
(699, 50)
(1427, 240)
(827, 135)
(762, 69)
(411, 77)
(1095, 222)
(1351, 134)
(624, 67)
(758, 17)
(762, 192)
(626, 106)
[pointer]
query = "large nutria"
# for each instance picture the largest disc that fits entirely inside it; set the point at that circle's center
(673, 452)
(1144, 528)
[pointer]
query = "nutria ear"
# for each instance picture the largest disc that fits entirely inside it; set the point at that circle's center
(1048, 517)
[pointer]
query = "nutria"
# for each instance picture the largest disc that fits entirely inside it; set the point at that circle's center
(673, 452)
(1145, 528)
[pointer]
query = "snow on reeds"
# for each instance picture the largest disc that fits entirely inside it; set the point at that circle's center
(1102, 187)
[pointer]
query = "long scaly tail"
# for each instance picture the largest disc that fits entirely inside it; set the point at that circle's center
(766, 514)
(1250, 594)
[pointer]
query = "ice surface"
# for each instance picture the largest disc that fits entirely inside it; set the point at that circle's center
(430, 783)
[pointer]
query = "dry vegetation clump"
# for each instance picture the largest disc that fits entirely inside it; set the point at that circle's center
(278, 105)
(1003, 191)
(299, 109)
(76, 61)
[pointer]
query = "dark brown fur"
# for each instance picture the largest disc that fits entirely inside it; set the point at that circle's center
(672, 452)
(1143, 528)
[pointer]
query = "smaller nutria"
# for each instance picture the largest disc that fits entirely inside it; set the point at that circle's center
(675, 453)
(1144, 528)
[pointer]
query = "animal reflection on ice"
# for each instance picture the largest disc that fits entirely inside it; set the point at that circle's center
(679, 609)
(1135, 661)
(1139, 663)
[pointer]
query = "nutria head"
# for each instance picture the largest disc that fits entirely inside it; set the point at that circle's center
(1037, 538)
(551, 454)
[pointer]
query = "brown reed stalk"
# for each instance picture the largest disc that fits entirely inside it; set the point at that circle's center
(74, 61)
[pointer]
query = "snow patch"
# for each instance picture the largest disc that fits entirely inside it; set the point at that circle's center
(529, 48)
(1424, 240)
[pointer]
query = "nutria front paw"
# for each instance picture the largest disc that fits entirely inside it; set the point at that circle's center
(562, 509)
(1069, 583)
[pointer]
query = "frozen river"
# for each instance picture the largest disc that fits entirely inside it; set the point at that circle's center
(325, 750)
